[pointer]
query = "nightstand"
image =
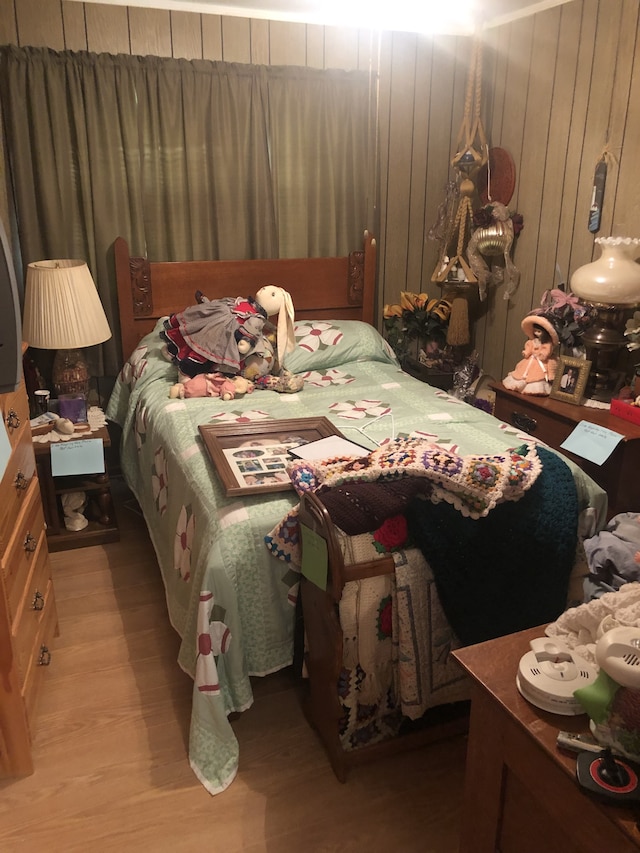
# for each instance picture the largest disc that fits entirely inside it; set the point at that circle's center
(553, 420)
(520, 793)
(103, 525)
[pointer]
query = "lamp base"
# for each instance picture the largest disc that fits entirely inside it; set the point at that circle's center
(70, 373)
(603, 341)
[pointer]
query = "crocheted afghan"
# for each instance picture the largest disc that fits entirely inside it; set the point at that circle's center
(473, 484)
(510, 569)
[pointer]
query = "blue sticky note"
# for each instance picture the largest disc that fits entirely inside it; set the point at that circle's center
(80, 456)
(315, 558)
(592, 442)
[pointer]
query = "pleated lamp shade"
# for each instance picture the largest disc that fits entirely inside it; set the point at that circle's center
(62, 311)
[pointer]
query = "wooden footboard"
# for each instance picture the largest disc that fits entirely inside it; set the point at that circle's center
(323, 647)
(324, 653)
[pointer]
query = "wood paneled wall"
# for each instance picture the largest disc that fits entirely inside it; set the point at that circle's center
(558, 86)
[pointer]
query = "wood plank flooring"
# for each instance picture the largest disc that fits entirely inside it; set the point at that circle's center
(110, 750)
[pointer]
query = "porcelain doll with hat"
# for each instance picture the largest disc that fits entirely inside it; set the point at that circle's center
(535, 372)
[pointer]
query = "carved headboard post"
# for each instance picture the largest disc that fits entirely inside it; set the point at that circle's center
(370, 277)
(362, 278)
(133, 276)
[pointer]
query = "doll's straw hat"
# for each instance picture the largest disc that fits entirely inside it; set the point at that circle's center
(544, 322)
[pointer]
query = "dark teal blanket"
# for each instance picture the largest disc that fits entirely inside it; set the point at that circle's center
(509, 570)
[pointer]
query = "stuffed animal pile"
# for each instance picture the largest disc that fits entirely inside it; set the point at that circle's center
(227, 347)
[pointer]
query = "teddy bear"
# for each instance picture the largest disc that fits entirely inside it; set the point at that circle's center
(262, 368)
(211, 385)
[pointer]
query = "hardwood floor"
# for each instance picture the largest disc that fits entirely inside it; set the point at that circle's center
(110, 750)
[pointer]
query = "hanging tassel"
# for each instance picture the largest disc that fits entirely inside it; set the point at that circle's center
(458, 332)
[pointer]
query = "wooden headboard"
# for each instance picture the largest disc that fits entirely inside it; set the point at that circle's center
(321, 288)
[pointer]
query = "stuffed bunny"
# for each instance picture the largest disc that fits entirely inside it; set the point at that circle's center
(272, 300)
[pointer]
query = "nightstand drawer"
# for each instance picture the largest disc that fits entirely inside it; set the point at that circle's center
(37, 599)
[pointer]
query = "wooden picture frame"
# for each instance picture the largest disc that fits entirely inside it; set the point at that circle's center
(570, 380)
(250, 458)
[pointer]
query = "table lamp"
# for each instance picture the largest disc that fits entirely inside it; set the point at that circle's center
(611, 286)
(62, 311)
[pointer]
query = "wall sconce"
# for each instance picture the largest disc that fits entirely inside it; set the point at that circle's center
(62, 311)
(611, 286)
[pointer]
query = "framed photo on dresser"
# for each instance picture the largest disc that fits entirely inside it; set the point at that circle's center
(571, 379)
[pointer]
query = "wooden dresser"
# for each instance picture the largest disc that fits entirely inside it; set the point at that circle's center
(28, 619)
(553, 420)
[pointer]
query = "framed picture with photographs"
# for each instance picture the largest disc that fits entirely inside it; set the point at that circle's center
(570, 380)
(252, 458)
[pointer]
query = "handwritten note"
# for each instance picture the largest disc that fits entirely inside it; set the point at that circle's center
(315, 559)
(592, 442)
(77, 457)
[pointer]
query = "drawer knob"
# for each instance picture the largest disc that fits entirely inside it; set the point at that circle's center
(45, 656)
(30, 543)
(12, 420)
(524, 422)
(21, 483)
(38, 600)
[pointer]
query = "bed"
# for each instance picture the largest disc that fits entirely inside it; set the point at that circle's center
(231, 571)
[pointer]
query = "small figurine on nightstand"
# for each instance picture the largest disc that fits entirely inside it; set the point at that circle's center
(535, 373)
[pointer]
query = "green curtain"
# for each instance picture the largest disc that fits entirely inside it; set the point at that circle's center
(187, 160)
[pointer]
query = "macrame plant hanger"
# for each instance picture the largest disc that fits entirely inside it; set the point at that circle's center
(471, 154)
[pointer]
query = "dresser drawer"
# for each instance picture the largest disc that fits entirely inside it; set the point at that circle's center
(17, 487)
(15, 413)
(22, 551)
(32, 611)
(552, 421)
(529, 417)
(41, 657)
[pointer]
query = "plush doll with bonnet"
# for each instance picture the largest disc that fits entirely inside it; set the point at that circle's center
(216, 336)
(535, 373)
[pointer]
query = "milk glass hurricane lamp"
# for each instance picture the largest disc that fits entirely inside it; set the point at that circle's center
(63, 312)
(611, 286)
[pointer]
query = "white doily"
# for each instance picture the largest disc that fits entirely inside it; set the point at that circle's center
(95, 419)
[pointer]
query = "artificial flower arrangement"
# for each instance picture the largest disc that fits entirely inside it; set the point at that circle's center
(417, 323)
(570, 317)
